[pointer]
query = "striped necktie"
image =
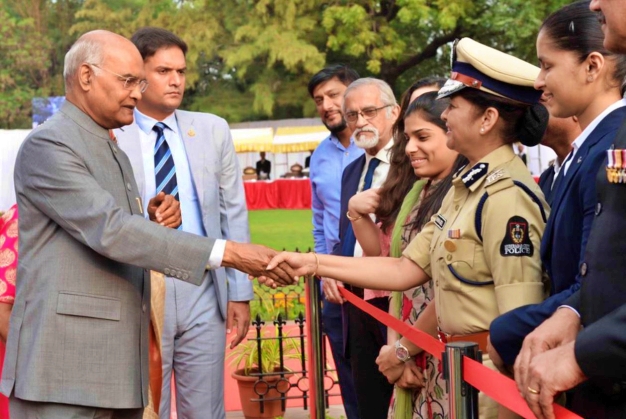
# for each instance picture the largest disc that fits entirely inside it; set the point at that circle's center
(164, 168)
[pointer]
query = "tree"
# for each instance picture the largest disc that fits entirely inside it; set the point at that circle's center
(395, 37)
(24, 66)
(252, 59)
(285, 42)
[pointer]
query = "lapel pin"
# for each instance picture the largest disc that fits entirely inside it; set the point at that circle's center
(579, 160)
(191, 132)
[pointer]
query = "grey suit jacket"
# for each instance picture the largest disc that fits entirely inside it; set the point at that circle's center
(217, 179)
(79, 327)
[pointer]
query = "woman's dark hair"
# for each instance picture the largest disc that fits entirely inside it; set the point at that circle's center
(401, 176)
(577, 29)
(428, 107)
(522, 122)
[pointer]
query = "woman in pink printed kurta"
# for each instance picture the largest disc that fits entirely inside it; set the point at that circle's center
(8, 273)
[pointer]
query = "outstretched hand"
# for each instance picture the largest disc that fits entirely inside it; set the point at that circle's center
(253, 259)
(165, 210)
(300, 264)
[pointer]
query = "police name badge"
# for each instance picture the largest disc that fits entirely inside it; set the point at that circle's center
(516, 240)
(616, 166)
(440, 221)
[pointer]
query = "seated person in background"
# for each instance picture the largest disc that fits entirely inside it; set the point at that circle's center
(263, 167)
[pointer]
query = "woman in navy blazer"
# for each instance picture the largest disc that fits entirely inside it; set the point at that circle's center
(579, 77)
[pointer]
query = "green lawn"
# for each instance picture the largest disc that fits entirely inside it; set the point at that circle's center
(282, 229)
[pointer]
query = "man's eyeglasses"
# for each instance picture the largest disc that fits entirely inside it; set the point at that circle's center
(369, 113)
(130, 83)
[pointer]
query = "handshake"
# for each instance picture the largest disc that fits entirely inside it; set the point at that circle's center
(270, 267)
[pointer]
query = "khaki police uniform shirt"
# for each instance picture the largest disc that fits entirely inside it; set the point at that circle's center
(477, 280)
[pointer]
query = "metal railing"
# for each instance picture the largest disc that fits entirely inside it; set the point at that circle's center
(462, 397)
(314, 378)
(289, 344)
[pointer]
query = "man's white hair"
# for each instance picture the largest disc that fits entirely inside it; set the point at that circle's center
(83, 51)
(386, 94)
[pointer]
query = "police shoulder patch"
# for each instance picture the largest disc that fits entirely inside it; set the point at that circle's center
(516, 240)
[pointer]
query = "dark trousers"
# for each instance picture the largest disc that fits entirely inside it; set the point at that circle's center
(603, 401)
(366, 336)
(332, 326)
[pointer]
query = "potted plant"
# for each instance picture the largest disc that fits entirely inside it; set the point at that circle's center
(257, 362)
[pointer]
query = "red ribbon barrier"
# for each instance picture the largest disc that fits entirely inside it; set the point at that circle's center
(495, 385)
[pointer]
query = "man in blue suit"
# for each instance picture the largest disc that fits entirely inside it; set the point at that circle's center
(370, 110)
(210, 190)
(565, 237)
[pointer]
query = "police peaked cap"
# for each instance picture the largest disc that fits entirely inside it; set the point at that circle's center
(480, 67)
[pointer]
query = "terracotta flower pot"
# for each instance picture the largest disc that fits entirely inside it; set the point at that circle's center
(268, 387)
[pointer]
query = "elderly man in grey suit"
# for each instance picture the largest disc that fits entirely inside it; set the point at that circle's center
(212, 199)
(78, 337)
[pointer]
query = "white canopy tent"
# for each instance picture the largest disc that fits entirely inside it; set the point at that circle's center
(10, 142)
(288, 145)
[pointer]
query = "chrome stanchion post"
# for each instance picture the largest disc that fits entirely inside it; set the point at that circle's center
(463, 398)
(314, 346)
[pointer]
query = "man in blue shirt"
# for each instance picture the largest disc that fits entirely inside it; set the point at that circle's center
(327, 164)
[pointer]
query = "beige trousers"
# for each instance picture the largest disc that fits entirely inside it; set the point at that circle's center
(157, 313)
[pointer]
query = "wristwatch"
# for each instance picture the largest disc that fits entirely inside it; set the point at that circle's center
(402, 352)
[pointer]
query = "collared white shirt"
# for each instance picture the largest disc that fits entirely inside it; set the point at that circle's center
(189, 202)
(583, 135)
(557, 168)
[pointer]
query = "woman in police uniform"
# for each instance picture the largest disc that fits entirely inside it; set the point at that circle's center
(482, 248)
